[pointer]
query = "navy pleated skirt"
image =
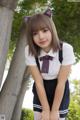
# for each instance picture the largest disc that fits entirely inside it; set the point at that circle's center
(50, 86)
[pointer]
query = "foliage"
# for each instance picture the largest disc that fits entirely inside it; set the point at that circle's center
(27, 114)
(76, 93)
(15, 32)
(74, 108)
(74, 111)
(66, 16)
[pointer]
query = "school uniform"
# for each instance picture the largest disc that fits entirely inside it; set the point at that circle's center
(63, 57)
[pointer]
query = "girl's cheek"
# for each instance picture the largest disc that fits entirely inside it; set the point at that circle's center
(35, 38)
(35, 41)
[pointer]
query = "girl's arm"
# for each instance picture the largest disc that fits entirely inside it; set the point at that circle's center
(62, 77)
(40, 87)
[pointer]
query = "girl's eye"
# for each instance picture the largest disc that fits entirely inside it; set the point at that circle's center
(45, 30)
(34, 33)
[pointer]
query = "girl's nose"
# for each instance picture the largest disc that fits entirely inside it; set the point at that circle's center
(41, 35)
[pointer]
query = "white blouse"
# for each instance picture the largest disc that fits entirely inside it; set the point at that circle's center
(54, 65)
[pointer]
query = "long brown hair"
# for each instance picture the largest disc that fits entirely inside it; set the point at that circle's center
(38, 22)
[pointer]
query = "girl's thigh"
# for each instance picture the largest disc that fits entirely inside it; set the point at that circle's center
(37, 115)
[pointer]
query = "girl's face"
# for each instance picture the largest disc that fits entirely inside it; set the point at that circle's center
(43, 38)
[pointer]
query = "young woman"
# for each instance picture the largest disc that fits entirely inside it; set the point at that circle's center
(50, 74)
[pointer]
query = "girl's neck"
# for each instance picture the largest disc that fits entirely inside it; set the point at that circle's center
(47, 49)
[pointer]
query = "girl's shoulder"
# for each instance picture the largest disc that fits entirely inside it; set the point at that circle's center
(27, 48)
(29, 59)
(67, 46)
(68, 54)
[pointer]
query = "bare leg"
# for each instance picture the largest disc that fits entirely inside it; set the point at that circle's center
(37, 115)
(61, 118)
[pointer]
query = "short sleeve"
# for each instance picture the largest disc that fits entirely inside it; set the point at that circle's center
(68, 54)
(29, 59)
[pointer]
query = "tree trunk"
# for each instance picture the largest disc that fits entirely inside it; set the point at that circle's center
(12, 85)
(11, 89)
(18, 107)
(11, 4)
(6, 17)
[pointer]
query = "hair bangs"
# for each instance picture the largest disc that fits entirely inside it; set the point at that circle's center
(38, 22)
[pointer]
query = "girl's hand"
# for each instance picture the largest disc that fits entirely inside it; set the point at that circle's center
(45, 115)
(54, 115)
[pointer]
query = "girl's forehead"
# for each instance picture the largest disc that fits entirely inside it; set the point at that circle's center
(39, 26)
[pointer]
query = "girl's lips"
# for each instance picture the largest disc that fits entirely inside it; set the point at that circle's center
(42, 42)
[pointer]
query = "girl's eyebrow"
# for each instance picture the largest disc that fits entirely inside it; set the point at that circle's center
(43, 28)
(40, 29)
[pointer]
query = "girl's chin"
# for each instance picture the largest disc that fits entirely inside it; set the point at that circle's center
(44, 45)
(46, 49)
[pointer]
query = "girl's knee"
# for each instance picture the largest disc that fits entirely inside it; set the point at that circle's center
(61, 118)
(37, 115)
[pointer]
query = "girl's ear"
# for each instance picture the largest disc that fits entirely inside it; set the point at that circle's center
(26, 18)
(48, 12)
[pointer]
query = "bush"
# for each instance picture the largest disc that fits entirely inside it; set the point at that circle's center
(74, 111)
(27, 114)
